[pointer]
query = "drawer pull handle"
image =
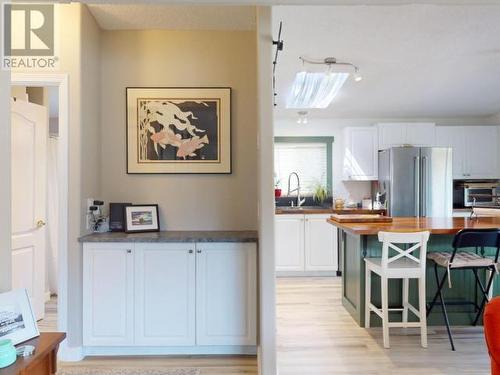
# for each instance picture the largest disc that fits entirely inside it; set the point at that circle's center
(198, 251)
(129, 251)
(190, 251)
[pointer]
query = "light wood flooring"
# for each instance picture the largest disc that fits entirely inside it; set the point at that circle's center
(316, 336)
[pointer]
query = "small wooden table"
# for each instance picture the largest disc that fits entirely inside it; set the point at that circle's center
(43, 361)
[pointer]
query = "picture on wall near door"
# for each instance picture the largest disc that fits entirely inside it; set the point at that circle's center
(178, 130)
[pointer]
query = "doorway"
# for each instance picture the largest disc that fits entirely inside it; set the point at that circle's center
(50, 92)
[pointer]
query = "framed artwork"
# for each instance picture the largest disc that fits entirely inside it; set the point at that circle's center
(17, 320)
(142, 218)
(178, 130)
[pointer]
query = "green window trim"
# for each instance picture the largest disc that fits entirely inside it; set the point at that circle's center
(329, 152)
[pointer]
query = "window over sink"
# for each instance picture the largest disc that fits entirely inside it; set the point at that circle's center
(309, 157)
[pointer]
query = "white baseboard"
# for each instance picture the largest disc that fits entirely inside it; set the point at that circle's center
(305, 273)
(70, 354)
(158, 350)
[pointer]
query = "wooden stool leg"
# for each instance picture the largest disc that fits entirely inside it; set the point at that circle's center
(422, 311)
(368, 290)
(406, 287)
(385, 311)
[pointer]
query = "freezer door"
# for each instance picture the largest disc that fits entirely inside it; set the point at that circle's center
(405, 181)
(436, 182)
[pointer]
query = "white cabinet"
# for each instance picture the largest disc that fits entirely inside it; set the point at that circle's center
(360, 154)
(108, 293)
(226, 291)
(165, 294)
(320, 244)
(419, 134)
(305, 244)
(185, 298)
(289, 242)
(475, 154)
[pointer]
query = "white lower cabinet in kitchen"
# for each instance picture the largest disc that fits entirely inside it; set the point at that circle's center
(305, 245)
(157, 298)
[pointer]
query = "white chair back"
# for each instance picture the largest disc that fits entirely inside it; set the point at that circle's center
(417, 240)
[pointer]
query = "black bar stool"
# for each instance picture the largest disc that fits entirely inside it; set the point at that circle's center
(461, 260)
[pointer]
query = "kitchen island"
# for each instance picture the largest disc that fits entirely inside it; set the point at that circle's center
(359, 240)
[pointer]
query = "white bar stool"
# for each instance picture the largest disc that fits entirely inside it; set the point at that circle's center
(398, 263)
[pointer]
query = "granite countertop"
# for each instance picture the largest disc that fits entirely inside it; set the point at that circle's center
(435, 225)
(173, 236)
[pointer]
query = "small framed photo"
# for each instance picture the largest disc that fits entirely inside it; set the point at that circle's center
(142, 218)
(17, 320)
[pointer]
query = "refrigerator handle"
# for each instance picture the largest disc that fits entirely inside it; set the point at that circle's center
(424, 186)
(416, 160)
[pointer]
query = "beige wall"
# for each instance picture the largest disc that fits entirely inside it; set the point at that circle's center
(5, 254)
(183, 58)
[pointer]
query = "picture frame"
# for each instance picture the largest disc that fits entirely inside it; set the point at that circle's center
(142, 218)
(17, 319)
(179, 130)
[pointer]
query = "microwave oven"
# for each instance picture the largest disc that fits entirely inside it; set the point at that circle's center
(477, 194)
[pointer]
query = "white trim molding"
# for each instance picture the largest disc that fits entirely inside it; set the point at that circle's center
(61, 81)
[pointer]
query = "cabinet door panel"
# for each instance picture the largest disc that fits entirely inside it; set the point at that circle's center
(361, 154)
(320, 244)
(454, 137)
(226, 299)
(391, 135)
(165, 294)
(481, 144)
(421, 134)
(108, 295)
(289, 242)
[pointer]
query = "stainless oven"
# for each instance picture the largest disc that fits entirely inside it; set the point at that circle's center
(480, 194)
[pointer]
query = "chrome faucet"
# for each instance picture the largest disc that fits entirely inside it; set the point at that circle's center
(300, 202)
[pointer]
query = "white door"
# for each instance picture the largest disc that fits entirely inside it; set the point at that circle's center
(361, 154)
(108, 294)
(29, 192)
(481, 143)
(289, 242)
(165, 294)
(226, 294)
(320, 244)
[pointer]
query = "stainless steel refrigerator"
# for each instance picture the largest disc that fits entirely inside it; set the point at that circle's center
(416, 181)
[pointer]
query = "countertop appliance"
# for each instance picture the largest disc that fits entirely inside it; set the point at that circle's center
(476, 194)
(416, 181)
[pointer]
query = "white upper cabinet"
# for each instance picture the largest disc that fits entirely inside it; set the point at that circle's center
(419, 134)
(226, 294)
(360, 154)
(165, 294)
(475, 154)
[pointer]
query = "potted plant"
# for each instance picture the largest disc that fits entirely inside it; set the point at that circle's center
(320, 194)
(277, 189)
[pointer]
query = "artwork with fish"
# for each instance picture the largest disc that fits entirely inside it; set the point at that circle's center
(168, 127)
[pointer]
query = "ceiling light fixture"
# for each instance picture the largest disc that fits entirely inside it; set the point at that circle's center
(302, 117)
(318, 89)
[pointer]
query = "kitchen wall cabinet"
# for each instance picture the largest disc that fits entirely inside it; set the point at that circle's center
(226, 292)
(360, 154)
(108, 293)
(475, 154)
(305, 245)
(419, 134)
(289, 242)
(170, 295)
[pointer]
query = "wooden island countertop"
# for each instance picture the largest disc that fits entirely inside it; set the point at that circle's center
(435, 225)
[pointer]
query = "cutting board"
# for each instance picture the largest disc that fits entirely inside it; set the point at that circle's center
(368, 218)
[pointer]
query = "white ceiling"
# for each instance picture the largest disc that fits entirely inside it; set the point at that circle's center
(173, 17)
(420, 61)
